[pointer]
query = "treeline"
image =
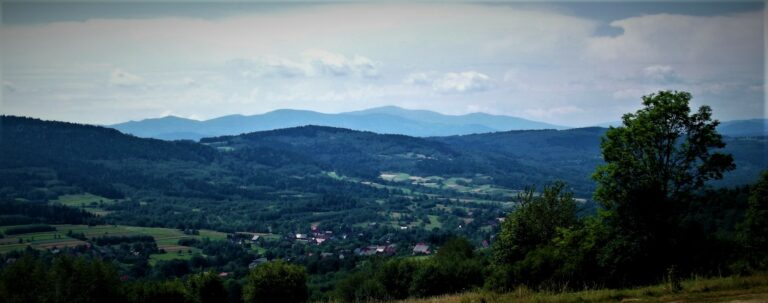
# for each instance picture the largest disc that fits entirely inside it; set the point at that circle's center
(23, 212)
(33, 278)
(35, 228)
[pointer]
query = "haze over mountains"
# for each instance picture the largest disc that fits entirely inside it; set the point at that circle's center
(383, 120)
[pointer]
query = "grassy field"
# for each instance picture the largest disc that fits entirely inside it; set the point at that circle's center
(183, 254)
(40, 240)
(88, 202)
(167, 238)
(434, 222)
(752, 289)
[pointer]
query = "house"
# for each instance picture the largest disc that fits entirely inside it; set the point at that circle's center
(391, 249)
(255, 238)
(301, 236)
(371, 250)
(421, 248)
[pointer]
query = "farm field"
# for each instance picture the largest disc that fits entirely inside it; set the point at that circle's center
(166, 238)
(88, 202)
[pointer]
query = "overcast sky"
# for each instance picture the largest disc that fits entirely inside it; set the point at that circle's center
(574, 64)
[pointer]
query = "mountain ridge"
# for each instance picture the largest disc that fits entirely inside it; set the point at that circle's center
(384, 120)
(381, 120)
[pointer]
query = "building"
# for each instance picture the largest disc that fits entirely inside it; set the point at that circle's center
(421, 248)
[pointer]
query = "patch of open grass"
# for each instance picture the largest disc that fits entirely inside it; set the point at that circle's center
(751, 289)
(177, 255)
(434, 222)
(82, 200)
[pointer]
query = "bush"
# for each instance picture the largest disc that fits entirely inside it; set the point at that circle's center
(276, 282)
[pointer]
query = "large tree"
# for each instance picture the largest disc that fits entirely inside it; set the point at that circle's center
(654, 162)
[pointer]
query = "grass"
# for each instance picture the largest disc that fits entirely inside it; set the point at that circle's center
(38, 240)
(166, 238)
(179, 255)
(87, 202)
(434, 222)
(82, 200)
(751, 289)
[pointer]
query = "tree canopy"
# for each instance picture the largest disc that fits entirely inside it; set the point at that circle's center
(654, 163)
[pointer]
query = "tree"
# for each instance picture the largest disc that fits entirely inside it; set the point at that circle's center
(755, 228)
(396, 275)
(524, 251)
(206, 288)
(654, 162)
(535, 222)
(276, 281)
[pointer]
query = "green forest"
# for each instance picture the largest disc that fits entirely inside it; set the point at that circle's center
(88, 214)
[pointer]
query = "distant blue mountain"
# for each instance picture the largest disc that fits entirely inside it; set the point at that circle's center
(384, 120)
(744, 128)
(733, 128)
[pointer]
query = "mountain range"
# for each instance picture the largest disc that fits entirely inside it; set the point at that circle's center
(382, 120)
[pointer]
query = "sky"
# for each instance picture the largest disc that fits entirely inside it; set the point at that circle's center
(571, 63)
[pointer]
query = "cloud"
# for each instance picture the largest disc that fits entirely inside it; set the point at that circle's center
(423, 78)
(9, 87)
(515, 55)
(312, 63)
(449, 83)
(552, 112)
(661, 73)
(704, 40)
(464, 82)
(328, 63)
(122, 78)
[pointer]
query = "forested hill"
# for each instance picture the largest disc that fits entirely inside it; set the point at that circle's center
(295, 174)
(354, 153)
(26, 139)
(95, 159)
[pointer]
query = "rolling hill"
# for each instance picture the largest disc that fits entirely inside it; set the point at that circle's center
(288, 176)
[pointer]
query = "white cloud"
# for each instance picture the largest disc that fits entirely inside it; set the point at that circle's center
(312, 63)
(328, 63)
(122, 78)
(423, 78)
(462, 82)
(661, 73)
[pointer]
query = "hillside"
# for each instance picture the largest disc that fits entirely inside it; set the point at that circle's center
(295, 175)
